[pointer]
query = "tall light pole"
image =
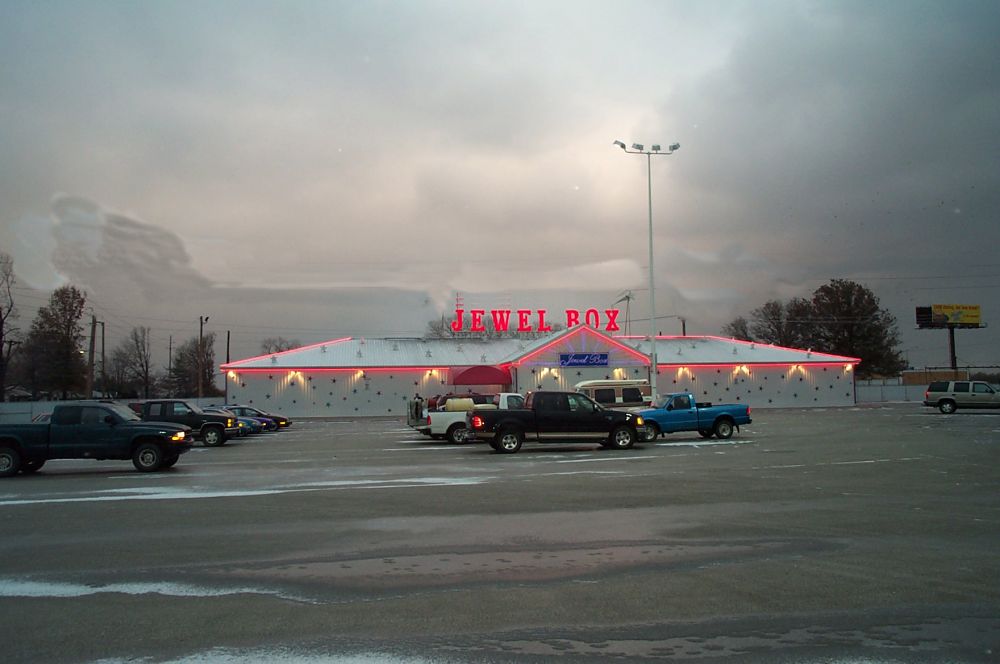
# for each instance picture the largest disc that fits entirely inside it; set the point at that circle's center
(201, 351)
(637, 148)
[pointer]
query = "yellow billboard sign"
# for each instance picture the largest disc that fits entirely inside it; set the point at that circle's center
(956, 314)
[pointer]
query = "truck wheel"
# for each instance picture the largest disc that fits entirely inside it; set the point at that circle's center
(705, 433)
(947, 407)
(147, 457)
(32, 466)
(508, 441)
(170, 460)
(653, 431)
(214, 437)
(10, 461)
(723, 429)
(622, 438)
(458, 434)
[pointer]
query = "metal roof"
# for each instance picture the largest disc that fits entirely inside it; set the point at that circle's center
(363, 352)
(719, 350)
(390, 352)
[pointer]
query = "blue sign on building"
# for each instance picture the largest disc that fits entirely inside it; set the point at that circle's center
(583, 359)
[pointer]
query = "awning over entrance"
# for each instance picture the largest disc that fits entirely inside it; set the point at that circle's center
(482, 375)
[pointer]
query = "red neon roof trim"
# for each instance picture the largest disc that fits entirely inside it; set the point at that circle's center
(278, 370)
(237, 363)
(579, 330)
(731, 365)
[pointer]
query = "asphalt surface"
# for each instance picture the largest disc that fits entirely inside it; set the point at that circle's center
(866, 534)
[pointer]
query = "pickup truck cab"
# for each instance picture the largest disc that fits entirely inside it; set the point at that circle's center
(91, 430)
(212, 429)
(681, 412)
(450, 423)
(554, 417)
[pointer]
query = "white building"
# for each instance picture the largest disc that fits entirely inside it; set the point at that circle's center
(352, 377)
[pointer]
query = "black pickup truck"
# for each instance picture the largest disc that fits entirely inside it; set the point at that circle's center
(91, 430)
(210, 428)
(554, 417)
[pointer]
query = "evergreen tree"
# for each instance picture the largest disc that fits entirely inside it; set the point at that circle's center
(55, 345)
(183, 378)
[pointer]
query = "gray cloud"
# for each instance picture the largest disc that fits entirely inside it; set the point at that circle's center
(280, 151)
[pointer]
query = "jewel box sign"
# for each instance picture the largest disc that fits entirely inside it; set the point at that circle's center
(583, 359)
(533, 320)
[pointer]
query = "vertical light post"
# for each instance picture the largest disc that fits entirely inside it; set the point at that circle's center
(201, 352)
(638, 148)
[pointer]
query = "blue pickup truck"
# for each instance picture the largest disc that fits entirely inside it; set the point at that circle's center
(681, 412)
(92, 430)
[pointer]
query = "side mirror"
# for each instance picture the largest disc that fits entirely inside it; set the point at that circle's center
(670, 406)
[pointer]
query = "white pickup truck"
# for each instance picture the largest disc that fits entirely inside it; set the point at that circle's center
(450, 422)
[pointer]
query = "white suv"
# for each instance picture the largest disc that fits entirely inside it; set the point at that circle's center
(949, 396)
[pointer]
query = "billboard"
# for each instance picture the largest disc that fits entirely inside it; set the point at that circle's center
(949, 315)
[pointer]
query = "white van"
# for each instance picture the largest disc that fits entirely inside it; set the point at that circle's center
(617, 393)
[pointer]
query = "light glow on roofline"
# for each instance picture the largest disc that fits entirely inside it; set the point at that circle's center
(730, 340)
(287, 370)
(238, 363)
(751, 365)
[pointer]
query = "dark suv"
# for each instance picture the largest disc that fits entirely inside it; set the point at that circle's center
(211, 428)
(950, 395)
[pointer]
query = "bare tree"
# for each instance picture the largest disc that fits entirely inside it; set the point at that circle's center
(278, 345)
(140, 355)
(8, 314)
(739, 328)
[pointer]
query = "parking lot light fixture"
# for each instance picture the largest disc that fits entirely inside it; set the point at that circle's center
(637, 148)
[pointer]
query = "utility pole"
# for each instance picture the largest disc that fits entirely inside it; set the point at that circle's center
(89, 385)
(201, 352)
(104, 364)
(170, 363)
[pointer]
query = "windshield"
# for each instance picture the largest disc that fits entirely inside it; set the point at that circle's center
(124, 412)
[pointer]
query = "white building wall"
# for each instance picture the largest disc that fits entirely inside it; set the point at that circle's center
(334, 393)
(783, 386)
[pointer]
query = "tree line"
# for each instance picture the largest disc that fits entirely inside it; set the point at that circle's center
(51, 359)
(842, 317)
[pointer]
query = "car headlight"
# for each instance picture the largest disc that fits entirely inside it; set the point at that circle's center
(178, 436)
(639, 421)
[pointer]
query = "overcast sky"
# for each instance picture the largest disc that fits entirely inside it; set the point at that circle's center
(316, 169)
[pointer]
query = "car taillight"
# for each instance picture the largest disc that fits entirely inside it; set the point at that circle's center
(428, 420)
(748, 411)
(477, 422)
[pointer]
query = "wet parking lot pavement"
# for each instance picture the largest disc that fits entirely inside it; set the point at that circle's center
(864, 534)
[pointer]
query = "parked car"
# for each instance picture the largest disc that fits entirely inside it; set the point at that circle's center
(681, 412)
(211, 428)
(249, 411)
(91, 430)
(247, 425)
(450, 422)
(554, 417)
(617, 393)
(950, 395)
